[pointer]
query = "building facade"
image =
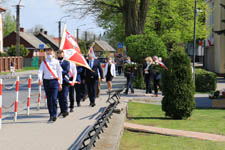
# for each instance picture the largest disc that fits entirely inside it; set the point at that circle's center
(1, 29)
(215, 49)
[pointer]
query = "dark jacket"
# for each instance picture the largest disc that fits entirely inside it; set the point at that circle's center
(65, 73)
(93, 75)
(80, 74)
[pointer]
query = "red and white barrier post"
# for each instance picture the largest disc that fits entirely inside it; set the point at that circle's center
(17, 98)
(39, 96)
(29, 93)
(0, 103)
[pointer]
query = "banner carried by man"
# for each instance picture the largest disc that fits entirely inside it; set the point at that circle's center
(72, 50)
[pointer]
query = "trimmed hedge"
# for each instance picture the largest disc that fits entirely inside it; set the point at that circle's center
(205, 81)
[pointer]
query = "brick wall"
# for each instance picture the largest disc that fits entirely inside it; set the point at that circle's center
(6, 61)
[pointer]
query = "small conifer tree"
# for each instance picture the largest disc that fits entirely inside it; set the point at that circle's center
(178, 86)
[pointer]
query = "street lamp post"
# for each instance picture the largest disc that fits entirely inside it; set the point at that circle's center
(60, 24)
(194, 44)
(78, 31)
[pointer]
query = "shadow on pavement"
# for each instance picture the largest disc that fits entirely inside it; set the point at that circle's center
(90, 117)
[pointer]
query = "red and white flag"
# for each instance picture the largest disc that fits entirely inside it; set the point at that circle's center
(72, 50)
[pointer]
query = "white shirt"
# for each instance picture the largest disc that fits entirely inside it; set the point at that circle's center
(55, 67)
(73, 71)
(112, 70)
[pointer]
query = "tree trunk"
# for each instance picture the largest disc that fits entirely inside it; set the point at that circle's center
(135, 16)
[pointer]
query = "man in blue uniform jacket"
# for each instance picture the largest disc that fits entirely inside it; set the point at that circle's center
(92, 78)
(63, 103)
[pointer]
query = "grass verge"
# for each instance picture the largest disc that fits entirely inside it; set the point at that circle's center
(202, 120)
(142, 141)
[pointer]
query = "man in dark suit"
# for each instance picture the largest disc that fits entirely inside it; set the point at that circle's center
(92, 78)
(65, 87)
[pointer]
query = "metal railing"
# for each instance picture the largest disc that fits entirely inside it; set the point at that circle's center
(88, 137)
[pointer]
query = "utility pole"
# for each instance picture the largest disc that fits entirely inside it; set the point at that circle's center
(18, 30)
(85, 36)
(194, 44)
(60, 33)
(77, 35)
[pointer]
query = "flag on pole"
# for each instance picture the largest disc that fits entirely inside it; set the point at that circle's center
(72, 50)
(91, 50)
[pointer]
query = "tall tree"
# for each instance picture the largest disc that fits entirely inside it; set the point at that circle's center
(134, 12)
(9, 24)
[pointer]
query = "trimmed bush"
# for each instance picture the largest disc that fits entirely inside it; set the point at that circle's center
(139, 83)
(205, 81)
(178, 86)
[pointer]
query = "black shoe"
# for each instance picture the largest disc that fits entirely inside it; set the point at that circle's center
(54, 119)
(71, 110)
(60, 114)
(78, 104)
(93, 105)
(125, 93)
(50, 119)
(65, 114)
(132, 92)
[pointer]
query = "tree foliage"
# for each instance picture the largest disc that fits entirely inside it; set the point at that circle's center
(173, 20)
(177, 86)
(9, 24)
(134, 12)
(11, 51)
(148, 44)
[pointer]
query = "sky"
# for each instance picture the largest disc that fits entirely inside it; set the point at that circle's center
(47, 13)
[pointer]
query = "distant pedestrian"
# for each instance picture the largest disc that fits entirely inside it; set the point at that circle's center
(148, 76)
(73, 76)
(156, 75)
(129, 74)
(12, 68)
(63, 102)
(119, 63)
(50, 74)
(109, 73)
(92, 78)
(78, 86)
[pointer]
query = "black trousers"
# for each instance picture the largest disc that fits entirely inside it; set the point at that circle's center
(156, 85)
(78, 93)
(92, 86)
(71, 96)
(148, 83)
(120, 69)
(83, 90)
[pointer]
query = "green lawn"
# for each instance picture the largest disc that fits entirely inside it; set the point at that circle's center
(21, 70)
(202, 120)
(141, 141)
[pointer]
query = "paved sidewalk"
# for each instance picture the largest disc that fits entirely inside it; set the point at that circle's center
(173, 132)
(35, 133)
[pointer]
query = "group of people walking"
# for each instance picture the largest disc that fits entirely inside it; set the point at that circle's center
(62, 78)
(152, 75)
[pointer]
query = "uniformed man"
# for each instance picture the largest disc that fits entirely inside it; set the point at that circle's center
(92, 78)
(63, 103)
(50, 74)
(79, 86)
(73, 76)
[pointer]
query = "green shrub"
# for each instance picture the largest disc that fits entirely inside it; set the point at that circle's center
(139, 83)
(141, 46)
(177, 86)
(205, 81)
(3, 54)
(11, 51)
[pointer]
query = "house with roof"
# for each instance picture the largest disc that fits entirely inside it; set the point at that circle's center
(102, 47)
(2, 10)
(29, 41)
(48, 40)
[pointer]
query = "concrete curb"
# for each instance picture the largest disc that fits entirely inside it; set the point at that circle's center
(173, 132)
(111, 137)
